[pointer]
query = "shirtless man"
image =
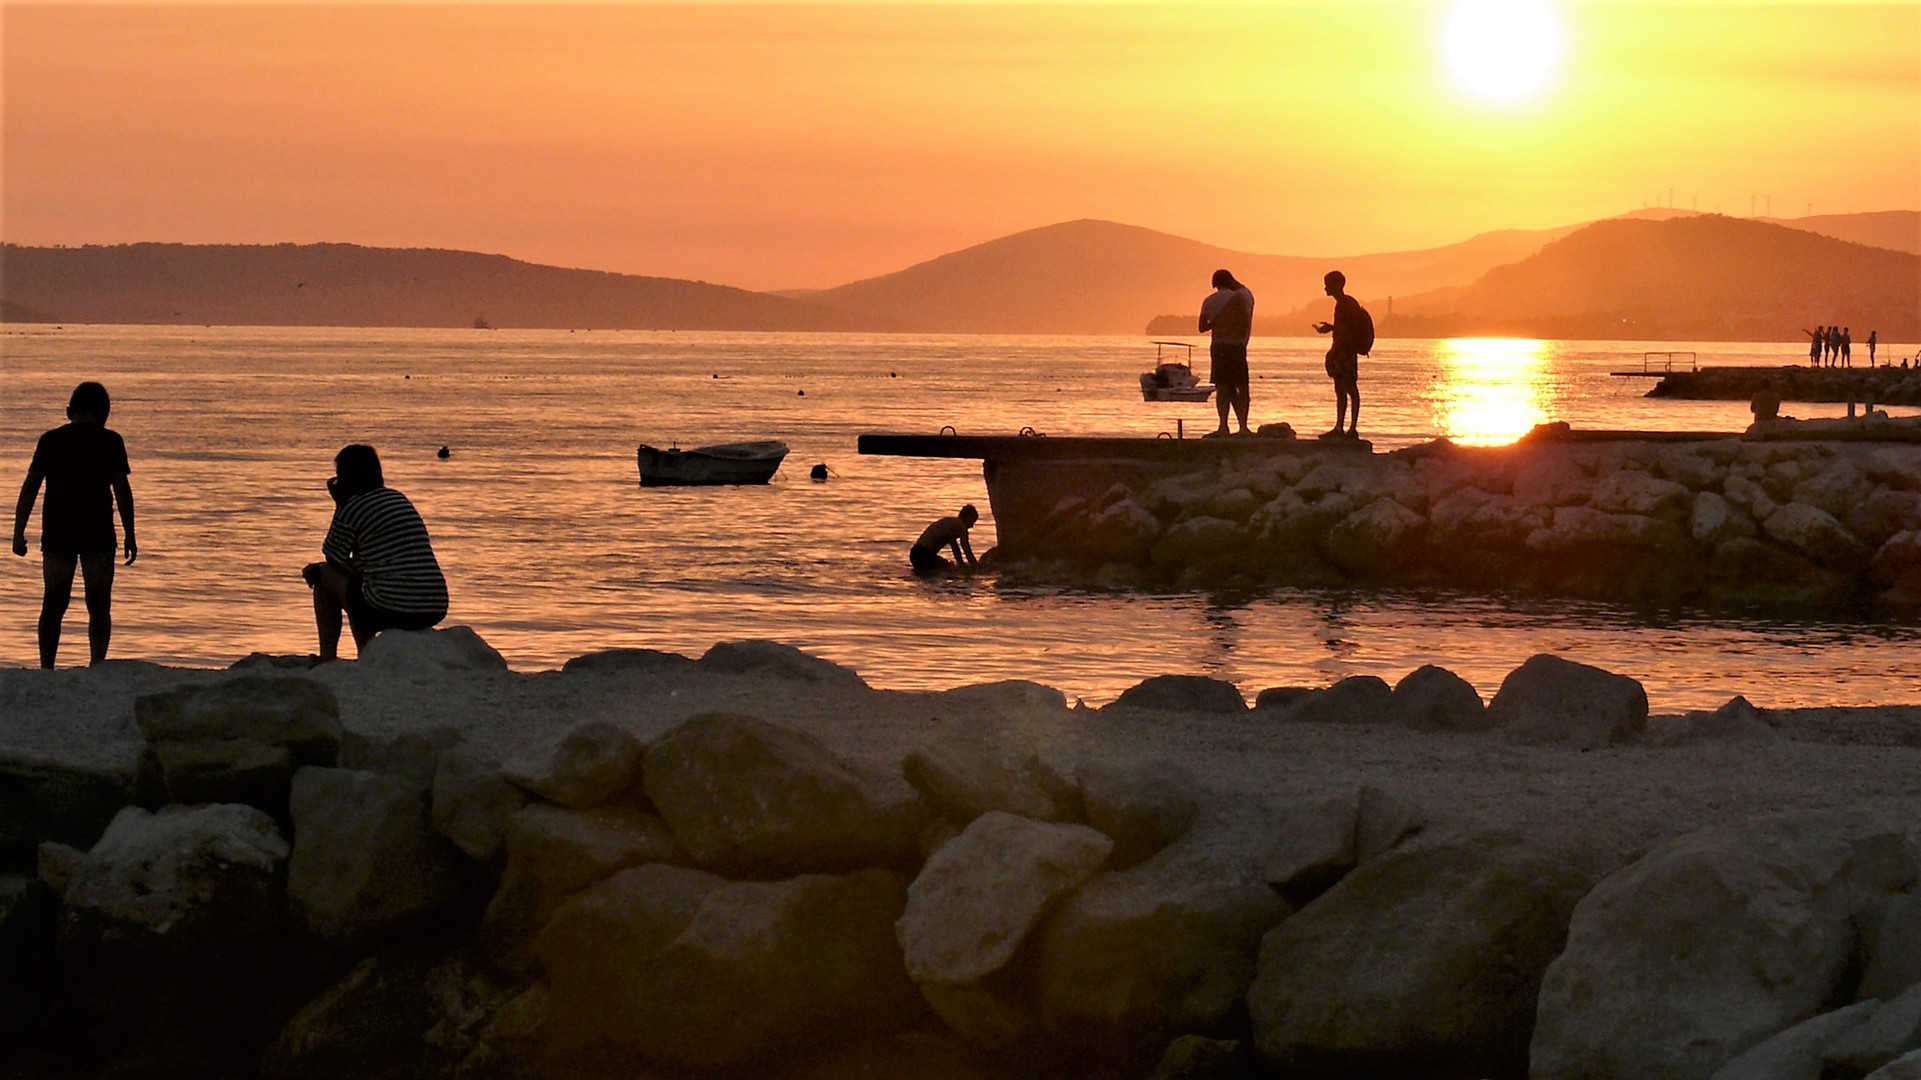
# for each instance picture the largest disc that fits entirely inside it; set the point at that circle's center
(1343, 356)
(948, 532)
(1228, 314)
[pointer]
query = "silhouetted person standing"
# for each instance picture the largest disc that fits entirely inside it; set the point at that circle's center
(948, 532)
(1353, 332)
(84, 465)
(1228, 313)
(380, 567)
(1817, 337)
(1873, 336)
(1847, 347)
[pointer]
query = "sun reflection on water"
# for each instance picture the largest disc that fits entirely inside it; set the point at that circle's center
(1490, 391)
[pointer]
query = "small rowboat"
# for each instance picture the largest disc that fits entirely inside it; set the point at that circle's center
(726, 463)
(1173, 376)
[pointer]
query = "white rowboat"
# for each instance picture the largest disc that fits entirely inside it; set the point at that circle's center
(726, 463)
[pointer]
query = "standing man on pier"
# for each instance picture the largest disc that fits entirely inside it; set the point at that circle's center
(1228, 313)
(1353, 330)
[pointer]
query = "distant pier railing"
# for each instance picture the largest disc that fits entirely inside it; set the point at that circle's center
(1655, 365)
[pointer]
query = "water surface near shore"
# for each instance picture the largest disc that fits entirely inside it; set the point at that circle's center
(553, 550)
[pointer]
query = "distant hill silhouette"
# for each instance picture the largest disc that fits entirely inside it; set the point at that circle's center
(349, 285)
(1896, 230)
(1704, 277)
(1100, 277)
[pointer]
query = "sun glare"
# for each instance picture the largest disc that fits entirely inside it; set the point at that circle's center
(1492, 391)
(1502, 51)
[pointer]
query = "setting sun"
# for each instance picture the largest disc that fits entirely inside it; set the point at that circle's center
(1502, 51)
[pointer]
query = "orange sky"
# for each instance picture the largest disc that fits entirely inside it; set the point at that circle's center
(774, 146)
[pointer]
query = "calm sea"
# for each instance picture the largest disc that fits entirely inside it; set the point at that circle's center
(552, 549)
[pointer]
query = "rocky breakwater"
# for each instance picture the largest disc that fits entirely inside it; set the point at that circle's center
(725, 896)
(1882, 385)
(1780, 522)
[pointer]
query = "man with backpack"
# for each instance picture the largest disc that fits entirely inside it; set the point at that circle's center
(1353, 330)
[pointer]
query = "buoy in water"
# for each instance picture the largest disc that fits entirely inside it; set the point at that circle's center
(443, 453)
(818, 472)
(800, 393)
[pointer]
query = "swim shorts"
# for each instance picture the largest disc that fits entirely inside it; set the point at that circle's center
(370, 618)
(1228, 367)
(1343, 367)
(926, 560)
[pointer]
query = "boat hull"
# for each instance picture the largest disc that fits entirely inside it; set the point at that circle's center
(728, 464)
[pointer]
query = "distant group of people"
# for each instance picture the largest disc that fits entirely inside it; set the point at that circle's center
(1833, 346)
(378, 566)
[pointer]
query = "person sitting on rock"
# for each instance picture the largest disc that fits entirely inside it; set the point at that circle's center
(948, 532)
(380, 567)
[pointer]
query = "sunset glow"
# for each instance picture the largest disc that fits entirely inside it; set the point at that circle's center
(773, 145)
(1502, 51)
(1493, 390)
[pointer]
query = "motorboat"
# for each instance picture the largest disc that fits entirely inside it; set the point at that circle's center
(724, 463)
(1173, 376)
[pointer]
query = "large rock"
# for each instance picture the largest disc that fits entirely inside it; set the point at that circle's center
(1715, 520)
(750, 798)
(978, 896)
(553, 853)
(1376, 540)
(472, 802)
(1814, 533)
(1555, 701)
(1713, 942)
(42, 801)
(1357, 699)
(1134, 958)
(637, 663)
(586, 765)
(1893, 948)
(1182, 693)
(28, 927)
(365, 858)
(1736, 721)
(1383, 821)
(1143, 806)
(173, 940)
(1313, 847)
(1431, 698)
(1905, 1067)
(684, 969)
(407, 1013)
(1795, 1054)
(771, 658)
(413, 756)
(430, 652)
(1421, 962)
(240, 740)
(1893, 1029)
(964, 775)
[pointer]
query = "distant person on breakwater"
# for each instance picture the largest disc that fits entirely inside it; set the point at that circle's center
(1847, 347)
(1228, 314)
(84, 465)
(1817, 338)
(380, 567)
(1873, 336)
(948, 532)
(1353, 330)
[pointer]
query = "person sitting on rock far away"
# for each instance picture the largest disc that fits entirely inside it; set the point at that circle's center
(380, 567)
(1228, 314)
(84, 465)
(948, 532)
(1353, 331)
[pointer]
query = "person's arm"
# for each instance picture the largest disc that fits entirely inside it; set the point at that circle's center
(1207, 321)
(22, 510)
(123, 498)
(967, 546)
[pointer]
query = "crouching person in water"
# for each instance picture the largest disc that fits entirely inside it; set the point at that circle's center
(948, 532)
(380, 567)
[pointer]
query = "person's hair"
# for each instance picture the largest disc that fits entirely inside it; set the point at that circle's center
(1225, 280)
(1335, 277)
(359, 468)
(968, 511)
(89, 398)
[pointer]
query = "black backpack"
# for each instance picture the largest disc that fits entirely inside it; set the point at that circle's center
(1366, 344)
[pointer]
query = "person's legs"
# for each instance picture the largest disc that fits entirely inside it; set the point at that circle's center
(96, 573)
(1354, 398)
(1241, 398)
(330, 584)
(56, 571)
(1223, 400)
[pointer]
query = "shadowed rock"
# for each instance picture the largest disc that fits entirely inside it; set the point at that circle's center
(780, 661)
(978, 896)
(1182, 693)
(1736, 721)
(1713, 942)
(1554, 701)
(588, 764)
(1383, 821)
(472, 802)
(1893, 1029)
(46, 801)
(1892, 942)
(1421, 962)
(1143, 806)
(365, 859)
(1314, 847)
(1431, 698)
(628, 662)
(1795, 1054)
(240, 740)
(1357, 699)
(963, 775)
(681, 968)
(748, 797)
(454, 648)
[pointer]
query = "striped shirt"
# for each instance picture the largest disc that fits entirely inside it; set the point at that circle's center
(379, 534)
